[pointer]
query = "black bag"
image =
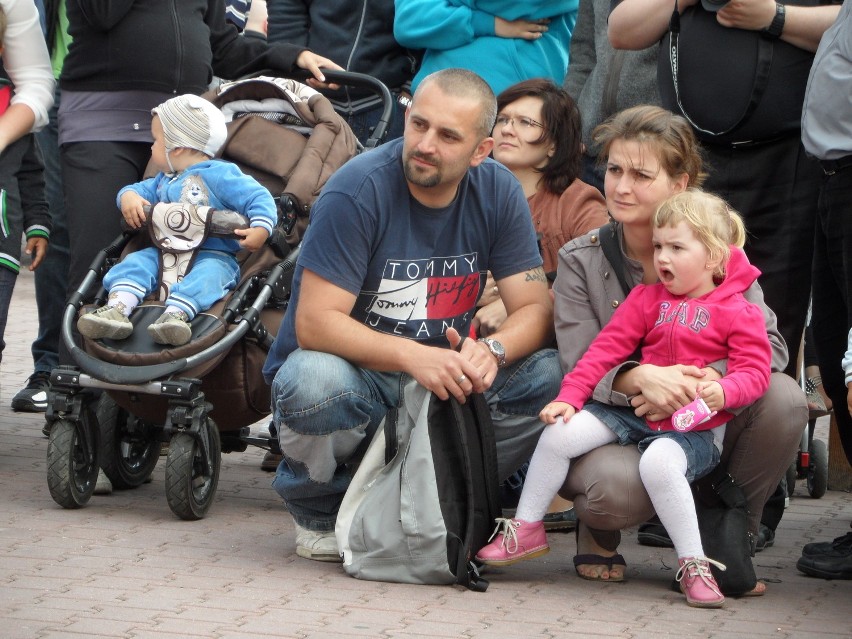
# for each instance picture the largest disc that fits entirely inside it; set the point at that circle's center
(732, 85)
(425, 496)
(723, 521)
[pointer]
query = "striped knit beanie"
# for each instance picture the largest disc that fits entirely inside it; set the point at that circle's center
(192, 122)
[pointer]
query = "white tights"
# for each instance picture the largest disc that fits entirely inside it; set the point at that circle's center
(662, 468)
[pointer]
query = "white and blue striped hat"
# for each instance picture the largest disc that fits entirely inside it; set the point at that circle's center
(192, 122)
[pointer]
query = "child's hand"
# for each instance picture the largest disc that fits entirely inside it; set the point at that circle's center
(554, 410)
(254, 237)
(713, 395)
(37, 247)
(131, 209)
(849, 398)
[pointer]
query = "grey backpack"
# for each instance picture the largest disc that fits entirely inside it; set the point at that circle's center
(425, 496)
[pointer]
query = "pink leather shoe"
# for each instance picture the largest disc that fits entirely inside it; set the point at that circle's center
(697, 582)
(514, 540)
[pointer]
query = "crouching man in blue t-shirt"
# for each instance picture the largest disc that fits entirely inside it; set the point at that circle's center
(387, 283)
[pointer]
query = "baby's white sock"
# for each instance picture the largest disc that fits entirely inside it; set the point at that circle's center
(129, 300)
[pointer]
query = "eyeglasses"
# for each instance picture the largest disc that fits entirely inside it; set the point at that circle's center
(519, 123)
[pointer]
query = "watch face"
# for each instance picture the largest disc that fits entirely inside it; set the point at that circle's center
(496, 348)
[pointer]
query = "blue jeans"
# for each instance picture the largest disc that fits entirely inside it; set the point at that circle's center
(51, 277)
(702, 456)
(326, 410)
(213, 274)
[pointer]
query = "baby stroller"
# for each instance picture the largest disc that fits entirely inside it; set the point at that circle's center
(124, 400)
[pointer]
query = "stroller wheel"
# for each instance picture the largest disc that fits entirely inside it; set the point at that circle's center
(129, 448)
(72, 461)
(818, 469)
(192, 471)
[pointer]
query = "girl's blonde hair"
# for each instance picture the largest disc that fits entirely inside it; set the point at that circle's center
(716, 225)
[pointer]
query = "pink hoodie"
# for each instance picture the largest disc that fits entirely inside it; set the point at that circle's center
(682, 330)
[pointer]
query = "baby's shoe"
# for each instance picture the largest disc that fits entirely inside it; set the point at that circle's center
(698, 583)
(106, 321)
(514, 540)
(171, 329)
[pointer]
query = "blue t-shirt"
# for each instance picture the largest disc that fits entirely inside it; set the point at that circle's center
(416, 270)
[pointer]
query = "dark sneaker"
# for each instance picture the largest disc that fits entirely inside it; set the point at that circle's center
(33, 397)
(828, 560)
(653, 533)
(106, 321)
(171, 329)
(818, 548)
(561, 521)
(765, 538)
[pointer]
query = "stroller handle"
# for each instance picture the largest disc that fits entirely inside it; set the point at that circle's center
(363, 81)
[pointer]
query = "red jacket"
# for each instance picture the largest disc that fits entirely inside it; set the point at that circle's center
(682, 330)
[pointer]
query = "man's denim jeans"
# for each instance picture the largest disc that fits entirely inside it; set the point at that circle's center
(326, 411)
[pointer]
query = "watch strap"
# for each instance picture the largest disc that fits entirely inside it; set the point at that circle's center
(776, 27)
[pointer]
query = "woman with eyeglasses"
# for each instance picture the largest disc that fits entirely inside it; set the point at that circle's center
(537, 137)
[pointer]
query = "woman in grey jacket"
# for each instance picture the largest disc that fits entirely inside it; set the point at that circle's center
(648, 151)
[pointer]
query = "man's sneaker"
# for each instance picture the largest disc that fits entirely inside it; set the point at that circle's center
(33, 397)
(106, 321)
(316, 545)
(698, 583)
(171, 329)
(514, 540)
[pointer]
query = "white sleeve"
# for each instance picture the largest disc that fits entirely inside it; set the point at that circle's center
(26, 60)
(847, 359)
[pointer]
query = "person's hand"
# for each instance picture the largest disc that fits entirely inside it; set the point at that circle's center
(665, 389)
(446, 371)
(753, 15)
(312, 62)
(480, 356)
(849, 398)
(253, 238)
(131, 209)
(523, 29)
(37, 248)
(556, 410)
(489, 319)
(713, 395)
(490, 292)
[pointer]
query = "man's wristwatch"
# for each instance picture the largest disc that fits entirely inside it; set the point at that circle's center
(496, 349)
(777, 25)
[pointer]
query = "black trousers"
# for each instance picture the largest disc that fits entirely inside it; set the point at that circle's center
(775, 187)
(92, 174)
(832, 303)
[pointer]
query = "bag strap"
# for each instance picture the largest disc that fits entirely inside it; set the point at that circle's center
(765, 50)
(612, 252)
(466, 571)
(390, 430)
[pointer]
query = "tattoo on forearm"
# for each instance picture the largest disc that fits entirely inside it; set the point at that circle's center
(536, 275)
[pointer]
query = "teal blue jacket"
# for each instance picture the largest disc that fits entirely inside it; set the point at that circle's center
(460, 33)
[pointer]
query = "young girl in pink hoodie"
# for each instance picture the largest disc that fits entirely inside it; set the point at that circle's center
(695, 315)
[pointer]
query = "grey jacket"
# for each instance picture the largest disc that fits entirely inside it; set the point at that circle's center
(587, 293)
(604, 81)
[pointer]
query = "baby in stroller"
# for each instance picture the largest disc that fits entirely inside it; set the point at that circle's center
(188, 131)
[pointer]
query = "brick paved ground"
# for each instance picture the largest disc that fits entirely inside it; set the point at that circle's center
(124, 566)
